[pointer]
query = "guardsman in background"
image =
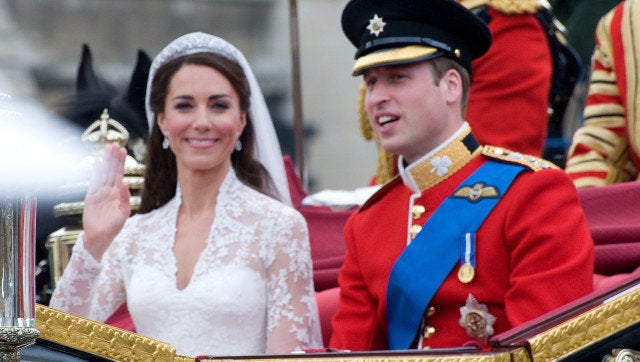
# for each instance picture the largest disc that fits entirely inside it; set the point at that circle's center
(466, 242)
(508, 106)
(606, 149)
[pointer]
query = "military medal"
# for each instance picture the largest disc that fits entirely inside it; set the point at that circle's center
(466, 273)
(467, 259)
(476, 320)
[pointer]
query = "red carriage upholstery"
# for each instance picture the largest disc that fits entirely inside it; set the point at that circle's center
(613, 214)
(121, 319)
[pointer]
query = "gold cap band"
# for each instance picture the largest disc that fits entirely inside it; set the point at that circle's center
(405, 54)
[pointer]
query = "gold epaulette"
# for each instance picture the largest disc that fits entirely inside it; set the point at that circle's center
(506, 6)
(531, 162)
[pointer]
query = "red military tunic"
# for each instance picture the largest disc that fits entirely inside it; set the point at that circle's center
(534, 252)
(511, 82)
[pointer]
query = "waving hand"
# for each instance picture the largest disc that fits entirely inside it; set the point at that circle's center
(106, 204)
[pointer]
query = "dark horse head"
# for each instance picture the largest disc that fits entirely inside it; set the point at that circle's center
(93, 94)
(126, 106)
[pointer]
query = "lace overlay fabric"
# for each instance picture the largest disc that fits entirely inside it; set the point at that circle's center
(251, 291)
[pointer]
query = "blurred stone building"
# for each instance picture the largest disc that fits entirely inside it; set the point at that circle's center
(41, 43)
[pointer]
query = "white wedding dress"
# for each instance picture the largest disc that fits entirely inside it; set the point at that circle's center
(251, 291)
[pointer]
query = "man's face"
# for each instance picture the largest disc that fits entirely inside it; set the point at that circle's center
(408, 109)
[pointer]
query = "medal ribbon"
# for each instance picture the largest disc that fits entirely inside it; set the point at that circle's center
(428, 259)
(468, 250)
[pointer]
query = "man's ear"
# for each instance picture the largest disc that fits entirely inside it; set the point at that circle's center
(453, 85)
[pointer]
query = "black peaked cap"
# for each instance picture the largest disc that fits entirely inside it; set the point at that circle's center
(448, 27)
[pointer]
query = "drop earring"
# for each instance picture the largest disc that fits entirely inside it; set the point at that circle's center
(165, 142)
(238, 146)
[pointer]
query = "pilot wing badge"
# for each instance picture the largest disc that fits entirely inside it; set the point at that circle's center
(477, 192)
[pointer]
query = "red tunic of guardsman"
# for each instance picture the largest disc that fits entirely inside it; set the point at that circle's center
(526, 260)
(606, 149)
(511, 81)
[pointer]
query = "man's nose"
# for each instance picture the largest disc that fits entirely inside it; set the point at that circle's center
(376, 94)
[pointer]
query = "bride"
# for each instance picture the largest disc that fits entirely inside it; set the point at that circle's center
(215, 262)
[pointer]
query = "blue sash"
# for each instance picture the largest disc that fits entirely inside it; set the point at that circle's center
(429, 258)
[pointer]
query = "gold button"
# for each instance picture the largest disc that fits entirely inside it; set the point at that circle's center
(417, 211)
(415, 229)
(428, 332)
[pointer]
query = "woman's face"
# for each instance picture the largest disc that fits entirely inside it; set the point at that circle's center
(201, 118)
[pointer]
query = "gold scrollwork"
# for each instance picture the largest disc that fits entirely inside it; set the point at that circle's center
(101, 339)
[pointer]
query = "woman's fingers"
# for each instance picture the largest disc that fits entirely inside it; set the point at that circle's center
(98, 175)
(116, 156)
(109, 169)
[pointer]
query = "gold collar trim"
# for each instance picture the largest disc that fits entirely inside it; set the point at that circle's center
(430, 171)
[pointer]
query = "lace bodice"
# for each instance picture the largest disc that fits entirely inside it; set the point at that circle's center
(251, 291)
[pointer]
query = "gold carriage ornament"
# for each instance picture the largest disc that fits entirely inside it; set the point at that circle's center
(602, 326)
(101, 132)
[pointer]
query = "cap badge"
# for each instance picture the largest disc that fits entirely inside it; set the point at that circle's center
(476, 320)
(376, 25)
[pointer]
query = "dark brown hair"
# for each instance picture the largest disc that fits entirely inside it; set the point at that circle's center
(441, 65)
(161, 174)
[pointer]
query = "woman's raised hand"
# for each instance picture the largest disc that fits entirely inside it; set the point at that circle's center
(106, 204)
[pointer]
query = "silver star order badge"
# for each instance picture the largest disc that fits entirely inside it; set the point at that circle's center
(376, 25)
(476, 320)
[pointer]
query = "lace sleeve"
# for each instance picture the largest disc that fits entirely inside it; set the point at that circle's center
(87, 287)
(293, 322)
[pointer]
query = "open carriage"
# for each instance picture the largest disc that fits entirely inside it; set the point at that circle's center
(606, 322)
(602, 326)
